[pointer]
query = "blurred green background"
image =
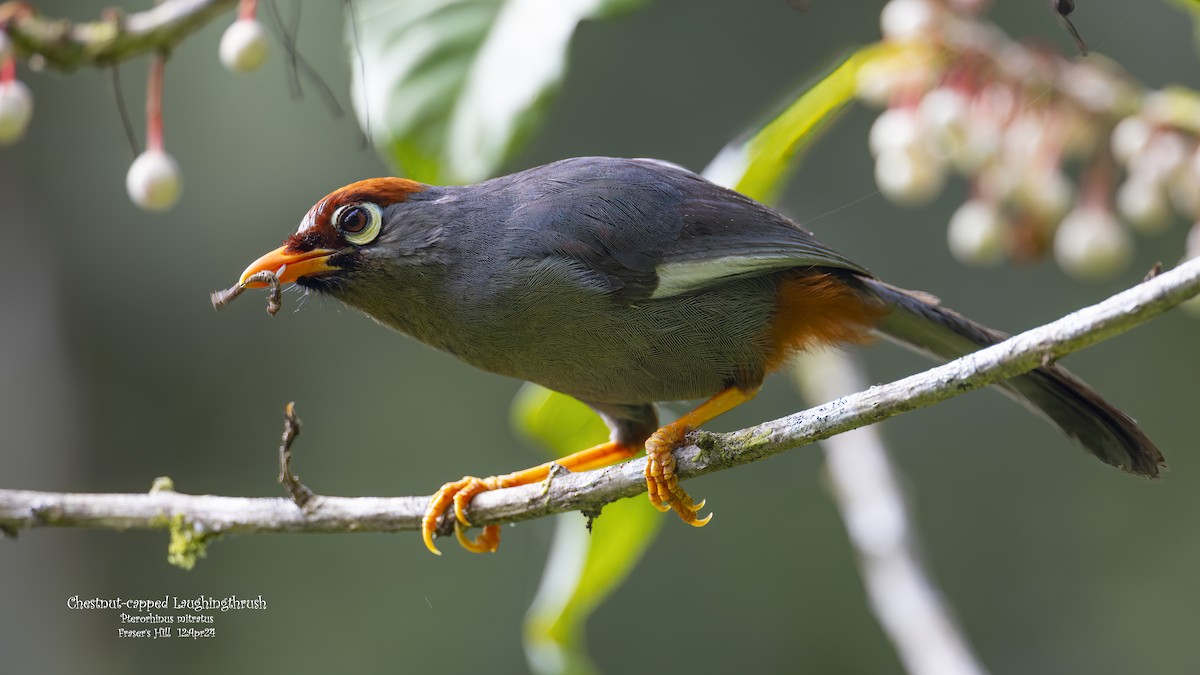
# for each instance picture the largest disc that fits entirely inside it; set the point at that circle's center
(114, 369)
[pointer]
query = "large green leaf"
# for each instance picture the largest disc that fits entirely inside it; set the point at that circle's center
(757, 165)
(448, 89)
(582, 569)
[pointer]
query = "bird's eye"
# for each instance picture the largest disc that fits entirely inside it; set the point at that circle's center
(359, 223)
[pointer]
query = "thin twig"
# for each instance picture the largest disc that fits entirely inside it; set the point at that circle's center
(1064, 8)
(290, 481)
(297, 64)
(286, 37)
(126, 122)
(591, 490)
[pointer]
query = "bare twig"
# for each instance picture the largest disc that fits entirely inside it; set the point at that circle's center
(68, 46)
(123, 111)
(591, 490)
(1064, 8)
(274, 299)
(903, 594)
(1155, 270)
(290, 481)
(297, 63)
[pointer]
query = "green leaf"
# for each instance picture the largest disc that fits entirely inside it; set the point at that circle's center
(448, 89)
(1192, 7)
(757, 166)
(557, 424)
(582, 569)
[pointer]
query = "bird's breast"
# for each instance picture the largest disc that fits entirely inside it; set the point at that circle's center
(578, 339)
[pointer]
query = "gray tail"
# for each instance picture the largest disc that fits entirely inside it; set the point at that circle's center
(918, 322)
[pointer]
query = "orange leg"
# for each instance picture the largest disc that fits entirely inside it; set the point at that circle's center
(661, 484)
(460, 492)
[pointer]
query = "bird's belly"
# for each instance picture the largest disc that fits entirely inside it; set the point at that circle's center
(602, 349)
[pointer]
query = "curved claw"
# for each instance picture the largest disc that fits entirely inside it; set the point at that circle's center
(488, 541)
(427, 536)
(457, 495)
(701, 522)
(437, 505)
(697, 507)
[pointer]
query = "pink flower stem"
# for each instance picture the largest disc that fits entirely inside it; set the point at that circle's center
(247, 9)
(154, 124)
(1097, 182)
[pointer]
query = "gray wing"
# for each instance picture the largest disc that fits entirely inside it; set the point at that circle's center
(649, 229)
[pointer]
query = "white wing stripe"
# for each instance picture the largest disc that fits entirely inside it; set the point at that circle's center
(682, 277)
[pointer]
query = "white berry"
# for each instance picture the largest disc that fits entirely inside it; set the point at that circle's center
(944, 107)
(1090, 244)
(907, 19)
(1130, 137)
(894, 129)
(1143, 203)
(976, 233)
(980, 143)
(908, 177)
(154, 181)
(1163, 155)
(16, 108)
(1183, 189)
(244, 46)
(943, 112)
(1045, 192)
(1025, 138)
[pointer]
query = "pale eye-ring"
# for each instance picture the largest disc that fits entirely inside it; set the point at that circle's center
(359, 223)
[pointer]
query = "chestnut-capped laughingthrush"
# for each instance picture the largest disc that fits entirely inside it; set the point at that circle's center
(623, 282)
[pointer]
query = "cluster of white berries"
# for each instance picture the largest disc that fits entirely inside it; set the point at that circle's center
(960, 96)
(1160, 151)
(154, 181)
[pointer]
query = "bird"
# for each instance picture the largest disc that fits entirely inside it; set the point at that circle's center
(625, 283)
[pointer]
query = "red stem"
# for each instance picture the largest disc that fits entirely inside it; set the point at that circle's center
(248, 9)
(8, 70)
(154, 125)
(1097, 182)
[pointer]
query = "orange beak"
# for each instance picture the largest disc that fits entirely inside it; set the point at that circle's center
(289, 265)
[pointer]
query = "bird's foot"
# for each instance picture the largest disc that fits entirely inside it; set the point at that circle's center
(458, 494)
(661, 484)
